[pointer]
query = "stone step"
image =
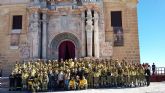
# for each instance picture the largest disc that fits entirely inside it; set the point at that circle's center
(4, 82)
(157, 78)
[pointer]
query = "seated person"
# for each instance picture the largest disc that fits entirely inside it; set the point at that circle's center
(83, 84)
(72, 84)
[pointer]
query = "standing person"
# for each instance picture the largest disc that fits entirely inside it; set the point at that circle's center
(96, 77)
(153, 69)
(51, 80)
(12, 82)
(56, 79)
(45, 82)
(147, 75)
(114, 76)
(66, 79)
(61, 79)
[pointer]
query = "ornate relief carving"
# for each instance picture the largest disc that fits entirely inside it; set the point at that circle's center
(64, 10)
(64, 23)
(89, 26)
(58, 39)
(34, 36)
(24, 52)
(106, 49)
(34, 25)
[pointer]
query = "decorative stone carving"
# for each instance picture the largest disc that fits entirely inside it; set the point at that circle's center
(34, 24)
(66, 19)
(89, 26)
(60, 24)
(34, 34)
(24, 52)
(106, 49)
(89, 30)
(96, 35)
(62, 37)
(44, 36)
(83, 34)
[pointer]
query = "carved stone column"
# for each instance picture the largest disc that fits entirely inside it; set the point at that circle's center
(83, 34)
(96, 35)
(44, 36)
(89, 32)
(34, 34)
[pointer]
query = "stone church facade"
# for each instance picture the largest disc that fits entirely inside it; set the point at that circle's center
(62, 29)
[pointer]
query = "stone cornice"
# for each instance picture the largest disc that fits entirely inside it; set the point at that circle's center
(92, 7)
(44, 10)
(65, 10)
(13, 5)
(128, 3)
(33, 9)
(122, 1)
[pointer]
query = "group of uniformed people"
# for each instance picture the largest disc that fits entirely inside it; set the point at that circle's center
(83, 73)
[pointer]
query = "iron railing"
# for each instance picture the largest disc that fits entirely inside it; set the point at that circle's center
(158, 71)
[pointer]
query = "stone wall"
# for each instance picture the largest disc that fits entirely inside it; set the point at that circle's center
(14, 1)
(130, 50)
(63, 24)
(10, 56)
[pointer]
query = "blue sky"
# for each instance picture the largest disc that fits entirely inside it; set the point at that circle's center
(151, 25)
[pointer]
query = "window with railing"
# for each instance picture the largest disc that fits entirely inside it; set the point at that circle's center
(16, 30)
(118, 36)
(116, 23)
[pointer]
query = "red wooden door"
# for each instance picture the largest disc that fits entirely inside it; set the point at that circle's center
(66, 50)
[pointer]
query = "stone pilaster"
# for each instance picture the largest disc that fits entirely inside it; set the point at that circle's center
(96, 35)
(44, 36)
(89, 32)
(83, 34)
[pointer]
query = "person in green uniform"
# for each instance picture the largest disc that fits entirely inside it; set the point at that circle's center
(126, 76)
(114, 76)
(109, 78)
(120, 76)
(96, 77)
(45, 82)
(141, 76)
(24, 79)
(103, 77)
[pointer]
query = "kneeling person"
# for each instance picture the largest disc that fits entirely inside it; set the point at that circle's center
(83, 84)
(72, 84)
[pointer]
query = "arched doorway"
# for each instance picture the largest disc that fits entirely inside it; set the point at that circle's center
(58, 40)
(66, 50)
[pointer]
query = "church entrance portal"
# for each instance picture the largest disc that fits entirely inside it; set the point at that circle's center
(66, 50)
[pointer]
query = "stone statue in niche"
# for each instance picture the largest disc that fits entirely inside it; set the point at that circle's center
(96, 16)
(34, 25)
(89, 26)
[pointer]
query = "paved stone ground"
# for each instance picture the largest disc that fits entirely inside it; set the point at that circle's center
(155, 87)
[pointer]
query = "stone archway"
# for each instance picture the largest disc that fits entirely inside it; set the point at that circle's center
(58, 39)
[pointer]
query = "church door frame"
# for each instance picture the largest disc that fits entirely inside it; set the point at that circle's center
(60, 38)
